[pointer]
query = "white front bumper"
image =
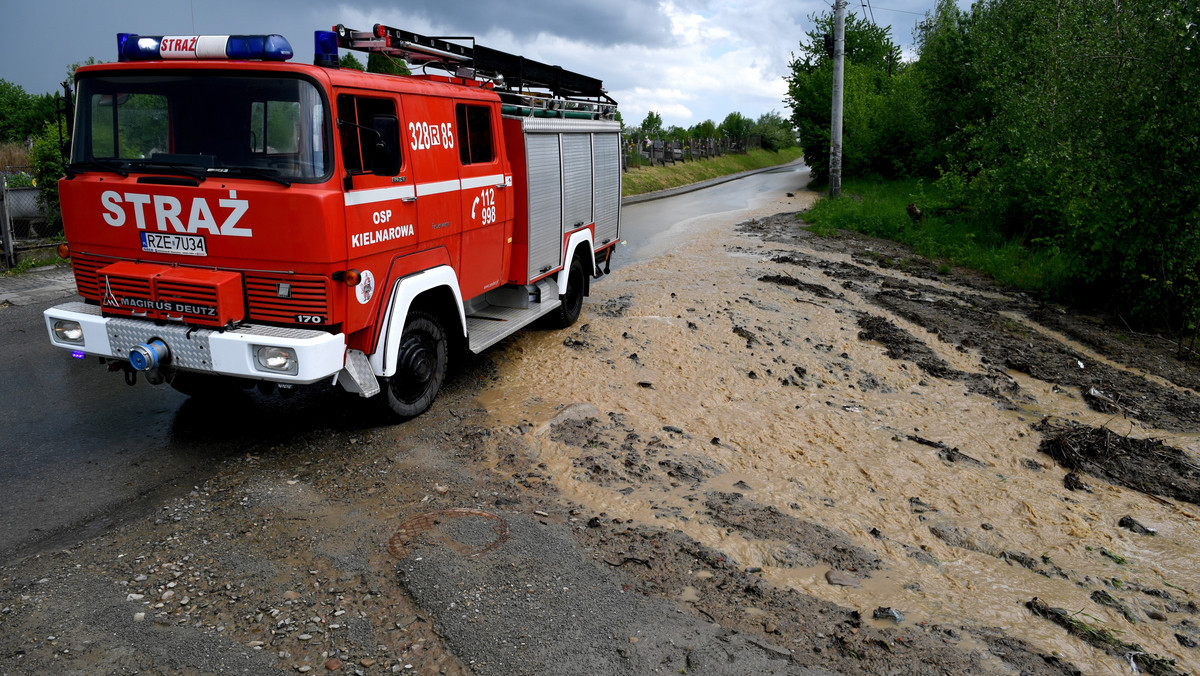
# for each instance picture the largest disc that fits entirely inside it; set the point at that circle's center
(319, 354)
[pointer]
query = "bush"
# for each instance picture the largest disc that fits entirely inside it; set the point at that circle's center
(46, 158)
(18, 179)
(776, 132)
(1069, 129)
(884, 130)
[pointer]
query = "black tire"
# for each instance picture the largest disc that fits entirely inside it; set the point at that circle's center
(572, 301)
(420, 366)
(203, 385)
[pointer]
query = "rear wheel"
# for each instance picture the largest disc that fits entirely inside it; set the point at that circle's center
(420, 366)
(572, 301)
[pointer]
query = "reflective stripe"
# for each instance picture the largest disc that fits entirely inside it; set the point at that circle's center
(438, 188)
(483, 181)
(373, 195)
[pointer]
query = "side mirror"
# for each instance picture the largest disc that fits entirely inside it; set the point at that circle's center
(385, 157)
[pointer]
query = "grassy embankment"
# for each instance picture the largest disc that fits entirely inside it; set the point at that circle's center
(948, 235)
(649, 179)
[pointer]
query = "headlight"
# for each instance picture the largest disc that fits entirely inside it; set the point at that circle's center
(276, 359)
(67, 331)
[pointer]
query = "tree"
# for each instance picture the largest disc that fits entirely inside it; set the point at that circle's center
(776, 132)
(872, 59)
(90, 61)
(46, 157)
(23, 115)
(380, 63)
(736, 126)
(376, 63)
(653, 124)
(705, 129)
(950, 78)
(866, 44)
(1089, 145)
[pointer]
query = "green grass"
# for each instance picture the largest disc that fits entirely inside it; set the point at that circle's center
(649, 179)
(35, 258)
(946, 233)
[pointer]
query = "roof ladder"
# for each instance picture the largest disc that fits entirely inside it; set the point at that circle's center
(515, 72)
(414, 48)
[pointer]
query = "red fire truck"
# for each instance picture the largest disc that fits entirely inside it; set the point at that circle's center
(234, 218)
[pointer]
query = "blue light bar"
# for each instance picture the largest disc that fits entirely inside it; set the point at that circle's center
(133, 47)
(267, 47)
(325, 51)
(78, 354)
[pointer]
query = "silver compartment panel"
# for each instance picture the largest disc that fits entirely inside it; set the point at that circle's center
(189, 352)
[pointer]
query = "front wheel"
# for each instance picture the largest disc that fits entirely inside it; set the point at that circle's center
(420, 366)
(572, 301)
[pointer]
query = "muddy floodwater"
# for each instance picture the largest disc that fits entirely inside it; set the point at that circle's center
(759, 451)
(837, 420)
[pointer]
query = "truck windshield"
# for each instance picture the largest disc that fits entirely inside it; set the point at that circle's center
(272, 128)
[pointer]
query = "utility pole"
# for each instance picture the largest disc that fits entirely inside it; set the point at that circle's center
(835, 127)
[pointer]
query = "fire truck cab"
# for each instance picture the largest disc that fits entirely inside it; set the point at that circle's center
(234, 218)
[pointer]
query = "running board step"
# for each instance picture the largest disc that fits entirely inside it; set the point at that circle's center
(357, 376)
(490, 325)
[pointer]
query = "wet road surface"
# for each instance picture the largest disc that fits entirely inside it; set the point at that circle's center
(80, 450)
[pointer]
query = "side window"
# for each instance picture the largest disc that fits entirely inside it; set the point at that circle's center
(474, 133)
(354, 113)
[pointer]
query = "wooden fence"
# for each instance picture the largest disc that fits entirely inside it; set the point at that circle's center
(641, 150)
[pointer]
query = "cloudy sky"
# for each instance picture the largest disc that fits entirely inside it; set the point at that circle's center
(689, 60)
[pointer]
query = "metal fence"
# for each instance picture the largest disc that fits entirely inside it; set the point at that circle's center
(24, 223)
(646, 151)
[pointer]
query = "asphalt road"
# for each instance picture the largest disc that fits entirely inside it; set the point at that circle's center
(80, 450)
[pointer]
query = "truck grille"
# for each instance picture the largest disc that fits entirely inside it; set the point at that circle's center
(288, 299)
(86, 282)
(127, 289)
(203, 297)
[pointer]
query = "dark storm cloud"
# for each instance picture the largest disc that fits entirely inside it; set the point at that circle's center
(597, 23)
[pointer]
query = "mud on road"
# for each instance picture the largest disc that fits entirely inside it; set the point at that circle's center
(763, 452)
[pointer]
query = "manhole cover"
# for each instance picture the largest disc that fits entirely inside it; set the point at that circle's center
(469, 532)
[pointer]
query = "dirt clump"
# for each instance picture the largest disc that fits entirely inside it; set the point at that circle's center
(816, 633)
(803, 543)
(1146, 465)
(1142, 660)
(977, 314)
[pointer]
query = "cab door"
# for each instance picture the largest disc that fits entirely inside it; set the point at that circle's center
(380, 209)
(486, 184)
(429, 139)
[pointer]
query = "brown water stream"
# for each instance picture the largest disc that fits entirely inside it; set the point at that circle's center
(693, 341)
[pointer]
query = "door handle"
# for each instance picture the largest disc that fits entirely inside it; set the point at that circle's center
(408, 199)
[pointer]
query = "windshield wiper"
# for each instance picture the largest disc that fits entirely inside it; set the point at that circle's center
(115, 166)
(253, 172)
(171, 167)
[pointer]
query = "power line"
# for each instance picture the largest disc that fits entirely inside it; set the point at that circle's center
(889, 9)
(902, 11)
